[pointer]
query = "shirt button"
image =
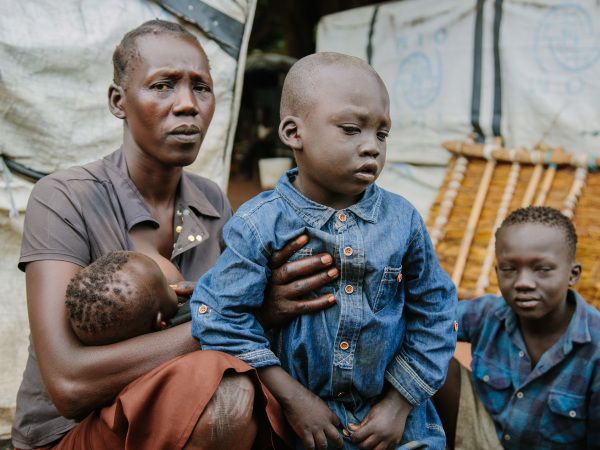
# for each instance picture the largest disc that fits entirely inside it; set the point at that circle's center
(399, 277)
(178, 212)
(340, 394)
(178, 229)
(186, 212)
(572, 413)
(486, 378)
(521, 353)
(507, 437)
(342, 217)
(348, 251)
(203, 309)
(344, 345)
(519, 395)
(191, 238)
(455, 326)
(345, 432)
(349, 289)
(199, 238)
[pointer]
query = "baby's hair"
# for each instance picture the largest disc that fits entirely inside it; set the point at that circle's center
(95, 297)
(547, 216)
(126, 52)
(298, 87)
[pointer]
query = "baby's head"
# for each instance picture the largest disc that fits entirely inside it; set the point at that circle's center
(119, 296)
(335, 115)
(535, 254)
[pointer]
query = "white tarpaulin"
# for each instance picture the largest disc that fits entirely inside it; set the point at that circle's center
(55, 69)
(525, 70)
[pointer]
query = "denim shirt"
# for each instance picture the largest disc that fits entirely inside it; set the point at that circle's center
(554, 405)
(395, 307)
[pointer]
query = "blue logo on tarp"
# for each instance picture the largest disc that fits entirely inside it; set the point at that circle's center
(419, 79)
(566, 36)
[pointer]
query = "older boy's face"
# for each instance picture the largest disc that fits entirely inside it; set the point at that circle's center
(343, 137)
(535, 269)
(169, 100)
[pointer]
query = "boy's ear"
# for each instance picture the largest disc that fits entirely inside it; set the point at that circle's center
(116, 96)
(289, 132)
(158, 321)
(575, 273)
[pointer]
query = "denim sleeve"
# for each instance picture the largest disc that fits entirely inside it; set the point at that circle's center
(419, 369)
(224, 298)
(593, 432)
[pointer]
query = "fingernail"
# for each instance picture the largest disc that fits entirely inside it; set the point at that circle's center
(326, 259)
(302, 239)
(331, 299)
(332, 273)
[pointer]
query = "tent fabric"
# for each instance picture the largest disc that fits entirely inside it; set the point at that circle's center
(523, 70)
(54, 77)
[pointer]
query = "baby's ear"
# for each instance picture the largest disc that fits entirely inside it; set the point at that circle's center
(289, 132)
(116, 96)
(157, 324)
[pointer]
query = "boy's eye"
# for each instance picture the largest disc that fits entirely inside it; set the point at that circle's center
(382, 136)
(350, 129)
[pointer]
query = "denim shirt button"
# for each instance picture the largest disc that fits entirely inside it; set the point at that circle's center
(348, 251)
(340, 394)
(342, 217)
(349, 289)
(344, 345)
(203, 309)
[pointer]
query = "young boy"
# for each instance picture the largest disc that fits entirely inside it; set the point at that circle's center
(367, 366)
(119, 296)
(536, 350)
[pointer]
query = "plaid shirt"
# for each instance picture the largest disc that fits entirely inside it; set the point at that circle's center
(555, 405)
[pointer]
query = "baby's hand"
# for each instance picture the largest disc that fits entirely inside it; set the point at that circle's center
(383, 426)
(313, 421)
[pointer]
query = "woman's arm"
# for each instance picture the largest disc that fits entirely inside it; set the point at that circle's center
(78, 378)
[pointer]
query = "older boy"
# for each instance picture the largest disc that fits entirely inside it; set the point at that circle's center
(368, 365)
(536, 353)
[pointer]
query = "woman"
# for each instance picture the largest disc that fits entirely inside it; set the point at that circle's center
(161, 392)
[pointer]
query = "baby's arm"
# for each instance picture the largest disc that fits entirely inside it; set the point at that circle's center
(383, 426)
(312, 420)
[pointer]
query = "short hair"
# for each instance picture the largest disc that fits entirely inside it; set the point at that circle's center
(547, 216)
(297, 92)
(127, 53)
(106, 295)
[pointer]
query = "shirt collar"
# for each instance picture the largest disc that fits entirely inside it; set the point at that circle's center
(578, 330)
(317, 215)
(135, 209)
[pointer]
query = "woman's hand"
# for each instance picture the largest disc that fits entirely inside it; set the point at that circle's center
(291, 280)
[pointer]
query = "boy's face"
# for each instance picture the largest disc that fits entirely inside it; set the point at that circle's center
(168, 100)
(343, 136)
(535, 269)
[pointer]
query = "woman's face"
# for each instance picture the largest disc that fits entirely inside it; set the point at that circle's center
(168, 99)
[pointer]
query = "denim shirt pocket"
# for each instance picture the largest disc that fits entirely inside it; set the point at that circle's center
(494, 382)
(389, 285)
(564, 420)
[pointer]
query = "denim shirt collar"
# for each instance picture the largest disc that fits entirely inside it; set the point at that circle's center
(578, 330)
(317, 215)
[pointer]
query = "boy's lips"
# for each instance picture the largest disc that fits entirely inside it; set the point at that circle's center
(367, 171)
(526, 301)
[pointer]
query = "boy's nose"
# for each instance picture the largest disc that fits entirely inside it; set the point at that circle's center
(524, 280)
(370, 147)
(185, 102)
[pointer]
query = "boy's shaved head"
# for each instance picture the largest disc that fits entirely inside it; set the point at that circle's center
(299, 85)
(544, 215)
